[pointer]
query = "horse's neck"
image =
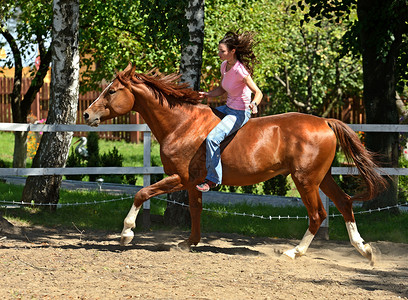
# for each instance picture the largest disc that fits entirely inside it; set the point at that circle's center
(162, 119)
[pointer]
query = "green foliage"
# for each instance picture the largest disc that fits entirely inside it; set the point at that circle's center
(33, 24)
(248, 189)
(388, 17)
(147, 33)
(74, 160)
(3, 164)
(299, 65)
(403, 182)
(93, 152)
(112, 158)
(150, 34)
(276, 186)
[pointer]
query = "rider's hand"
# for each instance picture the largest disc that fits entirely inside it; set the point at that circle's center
(203, 95)
(253, 106)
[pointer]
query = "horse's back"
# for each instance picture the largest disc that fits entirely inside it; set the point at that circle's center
(279, 144)
(292, 125)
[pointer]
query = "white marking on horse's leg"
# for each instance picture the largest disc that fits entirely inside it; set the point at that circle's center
(301, 249)
(129, 223)
(356, 240)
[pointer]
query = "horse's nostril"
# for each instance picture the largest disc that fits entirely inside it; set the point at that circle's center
(86, 116)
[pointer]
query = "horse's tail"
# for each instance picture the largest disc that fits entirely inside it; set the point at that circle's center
(355, 152)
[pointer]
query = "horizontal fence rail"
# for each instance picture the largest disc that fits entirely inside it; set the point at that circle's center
(159, 170)
(146, 170)
(72, 128)
(79, 171)
(379, 127)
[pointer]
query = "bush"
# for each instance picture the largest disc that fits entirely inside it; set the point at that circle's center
(93, 151)
(276, 186)
(248, 189)
(3, 164)
(403, 182)
(74, 160)
(112, 159)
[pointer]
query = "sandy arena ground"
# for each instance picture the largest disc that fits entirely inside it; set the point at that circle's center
(42, 263)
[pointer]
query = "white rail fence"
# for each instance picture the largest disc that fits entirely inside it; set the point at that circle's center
(147, 169)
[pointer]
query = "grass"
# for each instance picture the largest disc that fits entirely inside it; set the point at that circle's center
(109, 216)
(132, 153)
(6, 147)
(103, 216)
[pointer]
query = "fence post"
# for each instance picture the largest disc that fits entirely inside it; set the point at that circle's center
(323, 232)
(146, 177)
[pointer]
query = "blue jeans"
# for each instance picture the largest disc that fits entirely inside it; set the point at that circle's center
(233, 121)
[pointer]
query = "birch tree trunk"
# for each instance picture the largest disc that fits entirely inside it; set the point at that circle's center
(190, 69)
(54, 146)
(192, 51)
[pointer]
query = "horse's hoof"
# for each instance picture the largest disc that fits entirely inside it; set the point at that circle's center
(369, 254)
(290, 253)
(126, 239)
(185, 245)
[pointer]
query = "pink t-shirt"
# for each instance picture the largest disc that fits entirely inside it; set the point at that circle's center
(239, 94)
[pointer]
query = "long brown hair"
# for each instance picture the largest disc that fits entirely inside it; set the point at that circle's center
(242, 43)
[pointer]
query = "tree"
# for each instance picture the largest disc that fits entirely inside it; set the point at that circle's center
(33, 28)
(298, 63)
(54, 147)
(385, 20)
(192, 50)
(312, 76)
(148, 33)
(379, 34)
(190, 69)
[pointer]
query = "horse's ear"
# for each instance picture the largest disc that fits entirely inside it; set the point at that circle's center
(129, 70)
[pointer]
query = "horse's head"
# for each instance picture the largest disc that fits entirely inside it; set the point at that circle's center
(116, 100)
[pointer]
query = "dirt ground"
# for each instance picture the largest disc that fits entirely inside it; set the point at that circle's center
(42, 263)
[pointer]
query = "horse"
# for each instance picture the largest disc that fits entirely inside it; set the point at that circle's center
(292, 143)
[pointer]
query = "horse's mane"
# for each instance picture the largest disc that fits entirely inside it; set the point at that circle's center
(163, 86)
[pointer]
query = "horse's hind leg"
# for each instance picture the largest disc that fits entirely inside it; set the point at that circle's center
(167, 185)
(316, 212)
(345, 206)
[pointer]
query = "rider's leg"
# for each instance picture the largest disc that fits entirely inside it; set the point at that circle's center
(229, 124)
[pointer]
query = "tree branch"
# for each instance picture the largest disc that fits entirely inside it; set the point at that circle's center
(38, 81)
(18, 75)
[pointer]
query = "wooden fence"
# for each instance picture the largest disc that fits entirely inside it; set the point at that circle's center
(352, 111)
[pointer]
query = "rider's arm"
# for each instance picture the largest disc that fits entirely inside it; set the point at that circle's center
(218, 91)
(254, 88)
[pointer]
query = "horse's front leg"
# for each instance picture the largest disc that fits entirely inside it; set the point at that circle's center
(167, 185)
(196, 207)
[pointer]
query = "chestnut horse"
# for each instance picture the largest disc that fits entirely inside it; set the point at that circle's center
(291, 143)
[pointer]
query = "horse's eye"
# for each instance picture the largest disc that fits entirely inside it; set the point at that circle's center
(112, 92)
